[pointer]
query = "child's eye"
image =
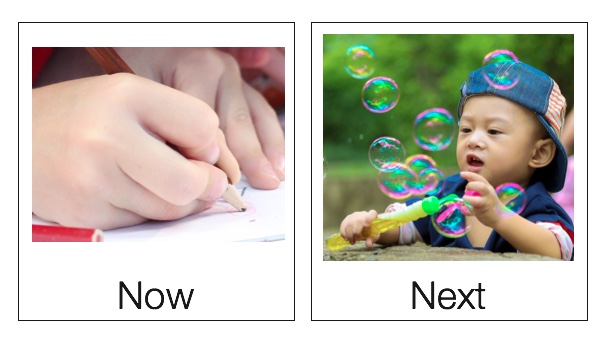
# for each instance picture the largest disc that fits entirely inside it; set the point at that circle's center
(493, 131)
(465, 130)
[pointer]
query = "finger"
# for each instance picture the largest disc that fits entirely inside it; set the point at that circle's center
(190, 80)
(269, 131)
(131, 195)
(472, 177)
(370, 216)
(370, 241)
(355, 231)
(353, 227)
(164, 171)
(151, 207)
(343, 226)
(472, 188)
(200, 75)
(347, 229)
(227, 162)
(181, 119)
(475, 202)
(240, 131)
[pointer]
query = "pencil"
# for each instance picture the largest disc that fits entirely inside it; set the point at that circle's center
(42, 233)
(112, 63)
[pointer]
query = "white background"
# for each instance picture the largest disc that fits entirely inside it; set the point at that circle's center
(521, 297)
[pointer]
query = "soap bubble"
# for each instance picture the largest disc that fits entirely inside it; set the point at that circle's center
(430, 182)
(513, 195)
(380, 94)
(499, 56)
(450, 221)
(433, 129)
(505, 71)
(420, 162)
(394, 180)
(359, 61)
(385, 150)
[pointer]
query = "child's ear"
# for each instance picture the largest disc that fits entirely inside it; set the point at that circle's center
(543, 153)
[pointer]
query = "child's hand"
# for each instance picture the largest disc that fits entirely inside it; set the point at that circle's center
(250, 124)
(101, 159)
(486, 203)
(353, 225)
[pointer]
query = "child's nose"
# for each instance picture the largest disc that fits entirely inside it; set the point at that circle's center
(476, 140)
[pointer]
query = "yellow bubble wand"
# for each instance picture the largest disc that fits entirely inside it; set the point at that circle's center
(387, 221)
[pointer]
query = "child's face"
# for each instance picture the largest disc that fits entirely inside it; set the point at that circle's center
(497, 139)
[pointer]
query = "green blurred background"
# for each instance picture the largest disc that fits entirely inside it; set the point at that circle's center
(428, 69)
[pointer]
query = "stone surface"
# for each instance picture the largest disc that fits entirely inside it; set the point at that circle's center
(422, 252)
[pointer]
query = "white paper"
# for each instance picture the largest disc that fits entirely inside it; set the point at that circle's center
(263, 220)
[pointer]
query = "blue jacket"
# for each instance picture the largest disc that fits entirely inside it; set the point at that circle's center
(540, 206)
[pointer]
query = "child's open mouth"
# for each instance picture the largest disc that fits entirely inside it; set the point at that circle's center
(474, 163)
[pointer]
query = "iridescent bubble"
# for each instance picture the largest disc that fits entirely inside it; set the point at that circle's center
(420, 162)
(359, 61)
(499, 56)
(429, 178)
(380, 94)
(385, 150)
(513, 196)
(433, 129)
(504, 71)
(431, 181)
(324, 167)
(394, 180)
(450, 221)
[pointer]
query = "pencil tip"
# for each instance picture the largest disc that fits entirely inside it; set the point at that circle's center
(232, 197)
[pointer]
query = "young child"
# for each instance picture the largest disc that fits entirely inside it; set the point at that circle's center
(505, 136)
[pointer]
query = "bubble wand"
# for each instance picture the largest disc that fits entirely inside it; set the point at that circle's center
(387, 221)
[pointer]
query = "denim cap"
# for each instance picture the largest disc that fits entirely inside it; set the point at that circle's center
(535, 91)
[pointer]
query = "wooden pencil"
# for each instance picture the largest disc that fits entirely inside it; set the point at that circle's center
(112, 63)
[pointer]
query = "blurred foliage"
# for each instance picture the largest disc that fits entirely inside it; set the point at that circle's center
(429, 69)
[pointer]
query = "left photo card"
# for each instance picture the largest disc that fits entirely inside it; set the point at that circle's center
(177, 146)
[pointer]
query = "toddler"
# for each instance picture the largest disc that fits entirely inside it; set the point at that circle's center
(505, 136)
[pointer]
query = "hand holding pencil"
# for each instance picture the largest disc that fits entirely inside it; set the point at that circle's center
(251, 126)
(105, 153)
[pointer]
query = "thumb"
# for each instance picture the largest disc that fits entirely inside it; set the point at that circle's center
(371, 240)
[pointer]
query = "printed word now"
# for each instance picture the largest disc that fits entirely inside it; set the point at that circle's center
(446, 297)
(156, 298)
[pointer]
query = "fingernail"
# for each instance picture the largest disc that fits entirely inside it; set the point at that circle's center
(280, 165)
(212, 154)
(268, 170)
